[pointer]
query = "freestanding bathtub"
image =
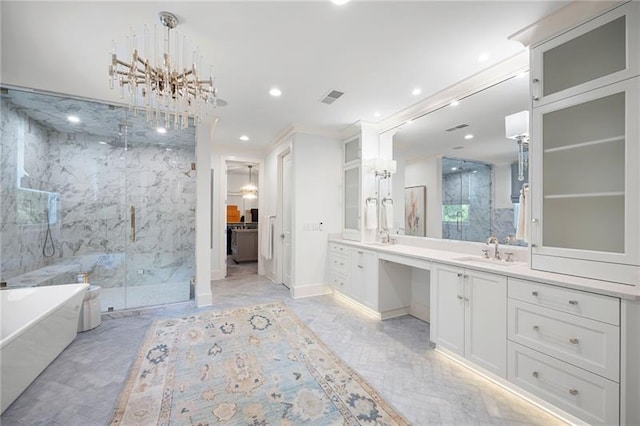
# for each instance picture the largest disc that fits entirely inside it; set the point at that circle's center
(37, 324)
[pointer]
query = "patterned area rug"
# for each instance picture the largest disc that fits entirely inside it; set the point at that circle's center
(256, 366)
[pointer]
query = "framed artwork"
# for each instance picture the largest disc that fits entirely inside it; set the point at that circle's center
(415, 208)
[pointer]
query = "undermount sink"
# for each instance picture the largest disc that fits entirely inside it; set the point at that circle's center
(485, 261)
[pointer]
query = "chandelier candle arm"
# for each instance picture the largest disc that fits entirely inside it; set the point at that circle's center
(169, 88)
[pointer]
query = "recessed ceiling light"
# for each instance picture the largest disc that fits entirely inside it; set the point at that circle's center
(455, 103)
(522, 74)
(73, 119)
(484, 57)
(161, 130)
(168, 149)
(102, 142)
(416, 91)
(376, 114)
(469, 136)
(275, 92)
(244, 138)
(408, 122)
(454, 168)
(340, 2)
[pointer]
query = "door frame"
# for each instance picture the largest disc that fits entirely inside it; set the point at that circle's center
(221, 247)
(279, 248)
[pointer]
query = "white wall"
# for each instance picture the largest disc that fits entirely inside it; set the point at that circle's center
(204, 213)
(317, 188)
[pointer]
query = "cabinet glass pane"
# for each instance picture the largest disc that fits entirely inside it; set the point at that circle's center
(588, 169)
(583, 172)
(586, 223)
(351, 197)
(591, 121)
(595, 54)
(352, 150)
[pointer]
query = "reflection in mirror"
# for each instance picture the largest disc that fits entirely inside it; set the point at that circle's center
(462, 156)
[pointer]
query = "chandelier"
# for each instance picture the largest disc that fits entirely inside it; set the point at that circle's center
(167, 85)
(249, 191)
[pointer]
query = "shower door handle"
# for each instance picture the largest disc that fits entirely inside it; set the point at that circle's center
(132, 223)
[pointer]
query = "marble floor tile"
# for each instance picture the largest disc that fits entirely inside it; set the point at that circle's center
(82, 385)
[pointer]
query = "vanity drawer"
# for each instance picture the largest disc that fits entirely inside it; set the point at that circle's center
(588, 305)
(338, 282)
(578, 392)
(338, 248)
(589, 344)
(339, 263)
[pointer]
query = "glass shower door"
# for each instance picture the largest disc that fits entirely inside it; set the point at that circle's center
(160, 213)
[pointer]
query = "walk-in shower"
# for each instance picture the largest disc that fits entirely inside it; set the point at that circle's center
(466, 199)
(88, 188)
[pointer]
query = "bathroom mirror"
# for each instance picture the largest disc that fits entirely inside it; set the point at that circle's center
(460, 154)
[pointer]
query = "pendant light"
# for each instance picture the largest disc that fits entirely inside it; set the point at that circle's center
(249, 191)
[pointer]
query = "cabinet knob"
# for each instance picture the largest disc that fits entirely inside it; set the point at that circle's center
(534, 245)
(574, 341)
(534, 220)
(460, 297)
(459, 275)
(534, 293)
(573, 391)
(536, 328)
(573, 302)
(535, 374)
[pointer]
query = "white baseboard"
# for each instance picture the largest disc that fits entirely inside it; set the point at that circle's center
(310, 290)
(218, 274)
(420, 311)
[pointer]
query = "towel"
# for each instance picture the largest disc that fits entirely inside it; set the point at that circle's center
(371, 215)
(387, 215)
(266, 245)
(524, 216)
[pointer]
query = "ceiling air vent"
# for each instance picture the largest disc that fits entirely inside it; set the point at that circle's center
(331, 97)
(458, 127)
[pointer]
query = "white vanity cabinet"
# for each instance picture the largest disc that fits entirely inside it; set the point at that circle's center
(564, 347)
(602, 51)
(469, 315)
(585, 150)
(354, 273)
(364, 277)
(339, 268)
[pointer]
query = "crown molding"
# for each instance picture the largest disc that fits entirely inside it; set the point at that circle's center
(563, 19)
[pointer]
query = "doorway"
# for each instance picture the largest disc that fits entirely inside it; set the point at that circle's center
(242, 213)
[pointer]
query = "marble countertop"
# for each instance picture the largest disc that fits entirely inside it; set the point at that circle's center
(512, 269)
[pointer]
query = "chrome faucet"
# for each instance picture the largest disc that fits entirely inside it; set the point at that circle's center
(385, 236)
(493, 240)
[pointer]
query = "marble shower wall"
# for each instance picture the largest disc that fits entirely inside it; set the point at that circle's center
(473, 186)
(90, 188)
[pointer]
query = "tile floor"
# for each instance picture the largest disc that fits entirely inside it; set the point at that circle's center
(82, 385)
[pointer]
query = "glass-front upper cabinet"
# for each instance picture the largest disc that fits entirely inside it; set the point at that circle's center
(351, 198)
(599, 52)
(585, 164)
(352, 150)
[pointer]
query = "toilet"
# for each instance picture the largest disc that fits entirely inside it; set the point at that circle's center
(90, 316)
